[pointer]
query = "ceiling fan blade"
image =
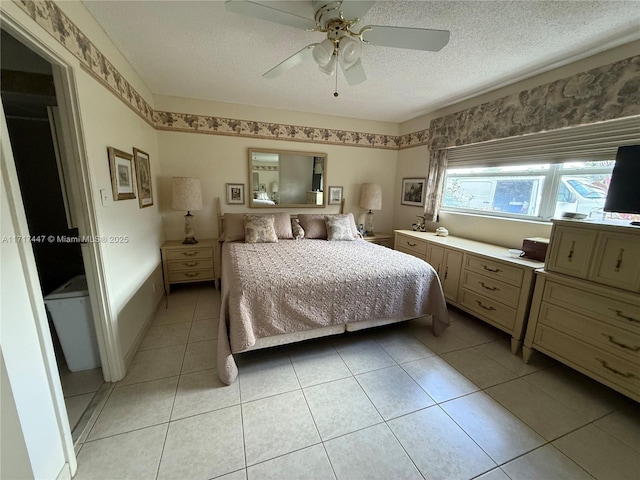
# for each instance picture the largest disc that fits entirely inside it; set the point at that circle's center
(355, 8)
(402, 37)
(353, 73)
(295, 59)
(257, 10)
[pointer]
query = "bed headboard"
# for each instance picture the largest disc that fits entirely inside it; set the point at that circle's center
(221, 215)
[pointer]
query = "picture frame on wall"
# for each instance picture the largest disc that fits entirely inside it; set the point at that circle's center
(121, 167)
(235, 193)
(143, 178)
(413, 191)
(335, 195)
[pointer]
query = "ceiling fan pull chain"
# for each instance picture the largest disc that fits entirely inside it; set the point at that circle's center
(335, 94)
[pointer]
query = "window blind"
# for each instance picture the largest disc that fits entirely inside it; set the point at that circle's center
(597, 141)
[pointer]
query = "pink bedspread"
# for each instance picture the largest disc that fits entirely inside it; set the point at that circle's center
(271, 289)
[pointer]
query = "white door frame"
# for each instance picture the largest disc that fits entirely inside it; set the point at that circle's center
(106, 326)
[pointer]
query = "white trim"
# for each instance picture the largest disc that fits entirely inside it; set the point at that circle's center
(106, 326)
(585, 142)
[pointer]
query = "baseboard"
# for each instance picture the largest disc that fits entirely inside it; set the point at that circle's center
(128, 359)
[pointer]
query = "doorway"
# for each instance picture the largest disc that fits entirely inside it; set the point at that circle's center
(34, 126)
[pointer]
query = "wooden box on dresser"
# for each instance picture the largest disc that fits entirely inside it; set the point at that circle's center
(478, 277)
(585, 310)
(187, 263)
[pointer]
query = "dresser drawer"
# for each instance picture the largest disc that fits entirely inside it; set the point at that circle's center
(571, 250)
(618, 313)
(601, 364)
(492, 288)
(417, 248)
(190, 276)
(497, 270)
(490, 309)
(195, 264)
(601, 334)
(617, 261)
(409, 252)
(190, 253)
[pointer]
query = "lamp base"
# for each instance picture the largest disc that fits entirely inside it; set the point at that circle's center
(189, 237)
(189, 241)
(368, 226)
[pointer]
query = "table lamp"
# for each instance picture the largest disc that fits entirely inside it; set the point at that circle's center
(186, 194)
(370, 199)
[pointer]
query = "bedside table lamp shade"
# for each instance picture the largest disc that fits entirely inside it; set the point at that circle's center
(186, 194)
(370, 199)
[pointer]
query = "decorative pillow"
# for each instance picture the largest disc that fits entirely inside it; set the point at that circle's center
(298, 231)
(338, 228)
(234, 225)
(260, 229)
(313, 225)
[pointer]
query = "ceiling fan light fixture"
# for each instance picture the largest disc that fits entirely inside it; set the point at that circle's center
(330, 67)
(323, 52)
(349, 50)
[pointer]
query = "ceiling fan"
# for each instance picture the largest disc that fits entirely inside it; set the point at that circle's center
(342, 45)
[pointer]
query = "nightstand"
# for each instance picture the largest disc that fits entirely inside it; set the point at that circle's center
(384, 239)
(187, 263)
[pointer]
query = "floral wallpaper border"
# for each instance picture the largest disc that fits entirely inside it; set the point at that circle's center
(603, 93)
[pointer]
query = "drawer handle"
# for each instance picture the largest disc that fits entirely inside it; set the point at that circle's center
(619, 314)
(619, 261)
(621, 345)
(412, 244)
(617, 372)
(190, 264)
(493, 289)
(192, 274)
(190, 254)
(493, 270)
(482, 306)
(570, 256)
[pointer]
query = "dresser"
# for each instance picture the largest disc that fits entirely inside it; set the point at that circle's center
(585, 310)
(479, 278)
(187, 263)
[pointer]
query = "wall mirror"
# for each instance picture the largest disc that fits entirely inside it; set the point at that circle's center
(281, 178)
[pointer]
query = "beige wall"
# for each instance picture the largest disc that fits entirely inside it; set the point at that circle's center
(217, 160)
(413, 162)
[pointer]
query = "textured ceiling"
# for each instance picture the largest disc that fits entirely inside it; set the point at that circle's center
(199, 50)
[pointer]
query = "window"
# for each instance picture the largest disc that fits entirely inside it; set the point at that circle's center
(537, 192)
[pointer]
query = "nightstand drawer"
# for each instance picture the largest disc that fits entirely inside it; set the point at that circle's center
(417, 248)
(191, 276)
(181, 265)
(190, 253)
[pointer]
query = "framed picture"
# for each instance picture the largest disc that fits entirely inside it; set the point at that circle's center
(143, 178)
(235, 193)
(335, 195)
(121, 166)
(413, 191)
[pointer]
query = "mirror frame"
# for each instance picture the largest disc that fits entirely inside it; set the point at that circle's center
(291, 152)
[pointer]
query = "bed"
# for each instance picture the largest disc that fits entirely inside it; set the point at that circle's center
(292, 290)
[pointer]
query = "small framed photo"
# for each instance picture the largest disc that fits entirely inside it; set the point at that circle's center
(143, 178)
(121, 166)
(335, 195)
(413, 191)
(235, 193)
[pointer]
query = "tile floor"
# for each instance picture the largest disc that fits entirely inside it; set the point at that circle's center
(390, 403)
(79, 389)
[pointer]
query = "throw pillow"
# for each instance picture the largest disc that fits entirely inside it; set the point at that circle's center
(260, 229)
(338, 228)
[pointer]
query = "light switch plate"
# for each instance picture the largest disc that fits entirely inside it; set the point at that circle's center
(105, 197)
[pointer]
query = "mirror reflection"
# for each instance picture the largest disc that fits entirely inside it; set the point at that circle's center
(280, 178)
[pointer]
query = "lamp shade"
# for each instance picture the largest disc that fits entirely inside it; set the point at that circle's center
(274, 187)
(371, 196)
(186, 194)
